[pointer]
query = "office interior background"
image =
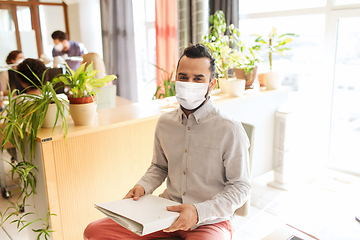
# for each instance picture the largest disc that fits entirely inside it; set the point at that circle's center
(321, 70)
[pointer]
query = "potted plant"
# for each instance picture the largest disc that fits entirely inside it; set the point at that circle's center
(227, 51)
(248, 67)
(168, 85)
(83, 87)
(274, 44)
(21, 120)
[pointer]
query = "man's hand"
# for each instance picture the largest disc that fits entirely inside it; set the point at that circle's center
(187, 219)
(135, 192)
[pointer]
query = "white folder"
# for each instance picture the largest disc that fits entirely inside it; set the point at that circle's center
(144, 216)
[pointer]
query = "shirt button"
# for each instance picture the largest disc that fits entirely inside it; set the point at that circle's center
(184, 172)
(188, 128)
(198, 120)
(185, 150)
(184, 193)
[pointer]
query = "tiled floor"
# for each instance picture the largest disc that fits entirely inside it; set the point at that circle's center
(323, 206)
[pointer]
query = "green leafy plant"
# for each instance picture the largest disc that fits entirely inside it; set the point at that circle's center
(275, 43)
(168, 84)
(24, 116)
(83, 82)
(249, 62)
(226, 48)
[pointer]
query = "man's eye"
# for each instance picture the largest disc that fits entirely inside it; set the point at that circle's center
(183, 77)
(198, 79)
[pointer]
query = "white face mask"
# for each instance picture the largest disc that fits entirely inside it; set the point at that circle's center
(59, 47)
(191, 95)
(19, 61)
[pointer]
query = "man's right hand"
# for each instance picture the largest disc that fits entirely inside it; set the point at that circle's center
(135, 192)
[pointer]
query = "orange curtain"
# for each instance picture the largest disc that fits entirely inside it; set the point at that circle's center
(166, 39)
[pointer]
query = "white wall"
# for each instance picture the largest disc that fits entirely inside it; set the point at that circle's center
(85, 24)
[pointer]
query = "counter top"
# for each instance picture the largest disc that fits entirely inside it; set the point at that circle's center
(137, 112)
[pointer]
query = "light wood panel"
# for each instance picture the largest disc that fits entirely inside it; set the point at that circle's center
(97, 167)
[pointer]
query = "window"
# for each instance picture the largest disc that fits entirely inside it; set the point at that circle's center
(321, 70)
(145, 48)
(27, 26)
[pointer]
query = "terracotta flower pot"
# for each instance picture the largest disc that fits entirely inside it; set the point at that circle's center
(240, 74)
(261, 79)
(81, 100)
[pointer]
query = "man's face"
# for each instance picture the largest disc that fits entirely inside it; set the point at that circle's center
(195, 70)
(64, 43)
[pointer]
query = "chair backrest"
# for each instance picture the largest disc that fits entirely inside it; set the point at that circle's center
(249, 129)
(106, 98)
(51, 73)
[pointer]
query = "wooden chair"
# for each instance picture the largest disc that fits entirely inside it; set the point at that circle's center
(243, 211)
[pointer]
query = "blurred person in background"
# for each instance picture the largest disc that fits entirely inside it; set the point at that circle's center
(14, 57)
(65, 48)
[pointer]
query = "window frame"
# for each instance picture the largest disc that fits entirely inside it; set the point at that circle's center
(35, 19)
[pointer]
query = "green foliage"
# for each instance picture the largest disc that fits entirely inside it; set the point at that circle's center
(249, 62)
(26, 113)
(168, 84)
(275, 43)
(83, 82)
(24, 116)
(226, 48)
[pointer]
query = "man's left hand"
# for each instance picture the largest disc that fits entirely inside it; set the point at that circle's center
(187, 219)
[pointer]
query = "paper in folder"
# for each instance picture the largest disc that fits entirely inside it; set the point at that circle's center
(144, 216)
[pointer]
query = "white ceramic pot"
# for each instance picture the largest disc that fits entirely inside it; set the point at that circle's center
(83, 114)
(223, 85)
(272, 80)
(236, 87)
(50, 117)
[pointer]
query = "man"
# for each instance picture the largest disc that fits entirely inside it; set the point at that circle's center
(202, 153)
(63, 46)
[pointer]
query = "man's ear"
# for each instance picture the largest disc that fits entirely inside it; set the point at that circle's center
(212, 84)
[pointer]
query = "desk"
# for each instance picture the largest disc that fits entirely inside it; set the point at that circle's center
(102, 161)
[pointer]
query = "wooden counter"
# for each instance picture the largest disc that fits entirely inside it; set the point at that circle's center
(102, 161)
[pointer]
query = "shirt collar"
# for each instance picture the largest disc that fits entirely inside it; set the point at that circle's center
(199, 114)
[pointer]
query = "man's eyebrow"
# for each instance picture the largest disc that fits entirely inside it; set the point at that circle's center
(182, 74)
(199, 75)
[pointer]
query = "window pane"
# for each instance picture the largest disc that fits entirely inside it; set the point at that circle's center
(300, 67)
(27, 34)
(7, 35)
(345, 124)
(257, 6)
(145, 48)
(24, 18)
(51, 19)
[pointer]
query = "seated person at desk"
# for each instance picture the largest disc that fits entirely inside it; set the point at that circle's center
(202, 153)
(63, 46)
(38, 68)
(14, 57)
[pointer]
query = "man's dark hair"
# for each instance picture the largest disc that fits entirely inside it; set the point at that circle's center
(12, 56)
(200, 51)
(36, 67)
(59, 35)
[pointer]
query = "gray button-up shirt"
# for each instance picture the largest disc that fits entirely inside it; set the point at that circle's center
(205, 159)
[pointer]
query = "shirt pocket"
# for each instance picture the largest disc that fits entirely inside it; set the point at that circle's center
(206, 163)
